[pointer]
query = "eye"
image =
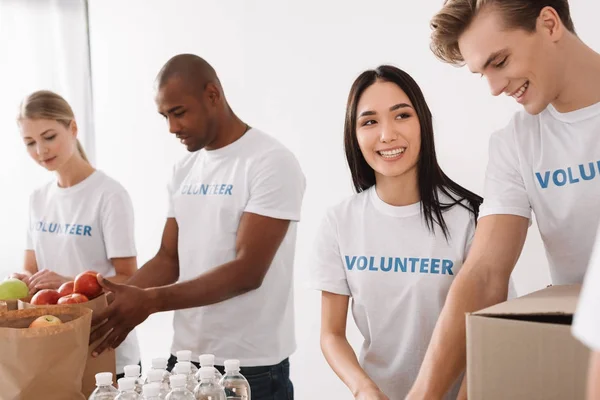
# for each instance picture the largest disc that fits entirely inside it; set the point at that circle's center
(179, 114)
(368, 122)
(29, 144)
(50, 137)
(403, 116)
(502, 63)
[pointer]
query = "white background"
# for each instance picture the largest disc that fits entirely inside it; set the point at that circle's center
(286, 67)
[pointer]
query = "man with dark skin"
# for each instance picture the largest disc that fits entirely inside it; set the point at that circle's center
(225, 264)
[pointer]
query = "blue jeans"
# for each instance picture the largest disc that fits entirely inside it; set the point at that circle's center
(270, 382)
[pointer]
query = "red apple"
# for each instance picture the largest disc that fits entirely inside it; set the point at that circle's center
(44, 321)
(66, 288)
(72, 298)
(86, 283)
(45, 297)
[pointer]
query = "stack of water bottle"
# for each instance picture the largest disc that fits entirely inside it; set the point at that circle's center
(186, 383)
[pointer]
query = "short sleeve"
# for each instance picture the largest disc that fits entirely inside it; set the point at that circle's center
(118, 225)
(277, 187)
(504, 191)
(170, 193)
(29, 232)
(326, 266)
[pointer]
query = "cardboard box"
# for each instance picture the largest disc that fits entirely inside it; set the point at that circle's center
(523, 349)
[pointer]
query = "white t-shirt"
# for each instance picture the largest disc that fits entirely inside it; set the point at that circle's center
(550, 163)
(586, 323)
(398, 275)
(81, 228)
(209, 192)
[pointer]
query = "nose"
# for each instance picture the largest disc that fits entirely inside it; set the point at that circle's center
(388, 133)
(497, 85)
(174, 125)
(41, 148)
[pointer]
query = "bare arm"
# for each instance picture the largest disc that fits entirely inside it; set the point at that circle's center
(125, 267)
(163, 269)
(593, 385)
(338, 352)
(482, 282)
(257, 241)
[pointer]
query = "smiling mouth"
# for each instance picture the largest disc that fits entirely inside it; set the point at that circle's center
(520, 91)
(392, 153)
(48, 159)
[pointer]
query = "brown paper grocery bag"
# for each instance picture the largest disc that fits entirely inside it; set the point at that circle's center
(3, 307)
(105, 362)
(43, 363)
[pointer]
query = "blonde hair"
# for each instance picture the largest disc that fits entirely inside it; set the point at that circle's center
(45, 104)
(456, 16)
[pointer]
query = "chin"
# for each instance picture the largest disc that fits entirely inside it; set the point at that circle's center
(535, 108)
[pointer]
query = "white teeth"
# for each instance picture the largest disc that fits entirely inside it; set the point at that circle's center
(392, 153)
(522, 90)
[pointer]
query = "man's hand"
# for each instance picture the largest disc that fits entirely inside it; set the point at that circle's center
(130, 307)
(46, 279)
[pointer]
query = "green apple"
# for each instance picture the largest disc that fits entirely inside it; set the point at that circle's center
(13, 289)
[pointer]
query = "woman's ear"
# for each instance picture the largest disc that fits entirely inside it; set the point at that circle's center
(73, 128)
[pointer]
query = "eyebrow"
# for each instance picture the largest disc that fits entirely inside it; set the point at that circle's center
(491, 58)
(41, 134)
(392, 108)
(171, 110)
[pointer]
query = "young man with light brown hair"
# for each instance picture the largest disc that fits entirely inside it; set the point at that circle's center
(546, 159)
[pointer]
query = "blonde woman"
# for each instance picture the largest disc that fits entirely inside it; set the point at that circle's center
(81, 220)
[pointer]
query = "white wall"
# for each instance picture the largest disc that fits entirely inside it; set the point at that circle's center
(286, 67)
(43, 45)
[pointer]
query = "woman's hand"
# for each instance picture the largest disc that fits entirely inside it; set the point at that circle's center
(22, 276)
(46, 279)
(370, 393)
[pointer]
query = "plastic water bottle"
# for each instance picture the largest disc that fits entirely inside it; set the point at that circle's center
(208, 361)
(184, 368)
(161, 365)
(151, 391)
(127, 389)
(235, 385)
(104, 388)
(156, 376)
(209, 388)
(186, 355)
(179, 390)
(133, 371)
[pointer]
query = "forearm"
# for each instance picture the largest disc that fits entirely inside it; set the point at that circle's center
(593, 385)
(158, 271)
(443, 363)
(342, 359)
(219, 284)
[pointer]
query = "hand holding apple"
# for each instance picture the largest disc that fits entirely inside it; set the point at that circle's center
(46, 279)
(86, 283)
(131, 307)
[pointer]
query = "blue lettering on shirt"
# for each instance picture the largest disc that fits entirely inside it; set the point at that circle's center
(415, 265)
(203, 189)
(569, 176)
(56, 228)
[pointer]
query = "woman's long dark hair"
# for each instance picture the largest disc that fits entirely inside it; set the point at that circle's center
(432, 179)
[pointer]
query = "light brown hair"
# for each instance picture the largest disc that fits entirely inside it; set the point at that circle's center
(456, 16)
(45, 104)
